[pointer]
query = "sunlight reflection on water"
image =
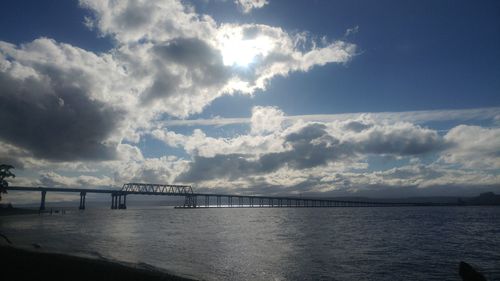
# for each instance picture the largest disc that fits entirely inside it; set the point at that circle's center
(407, 243)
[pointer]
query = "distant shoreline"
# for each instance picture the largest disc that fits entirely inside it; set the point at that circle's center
(24, 264)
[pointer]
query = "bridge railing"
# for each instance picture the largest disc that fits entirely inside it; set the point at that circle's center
(157, 188)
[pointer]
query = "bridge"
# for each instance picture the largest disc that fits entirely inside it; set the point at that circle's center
(205, 200)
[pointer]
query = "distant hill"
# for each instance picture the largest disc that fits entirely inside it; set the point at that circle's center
(487, 198)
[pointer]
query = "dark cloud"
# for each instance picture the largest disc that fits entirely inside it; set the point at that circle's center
(311, 146)
(401, 140)
(357, 126)
(135, 16)
(220, 166)
(195, 61)
(54, 117)
(14, 161)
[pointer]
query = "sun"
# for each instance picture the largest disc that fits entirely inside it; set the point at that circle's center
(242, 52)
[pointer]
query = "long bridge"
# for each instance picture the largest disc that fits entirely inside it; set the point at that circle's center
(204, 200)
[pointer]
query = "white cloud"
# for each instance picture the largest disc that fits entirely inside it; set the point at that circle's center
(180, 61)
(131, 21)
(248, 5)
(69, 109)
(167, 60)
(474, 147)
(266, 119)
(270, 145)
(417, 117)
(300, 156)
(57, 180)
(59, 100)
(351, 31)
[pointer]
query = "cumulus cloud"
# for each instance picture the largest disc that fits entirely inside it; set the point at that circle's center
(180, 61)
(330, 157)
(473, 147)
(62, 103)
(266, 119)
(300, 146)
(415, 117)
(49, 104)
(56, 180)
(401, 138)
(309, 147)
(163, 169)
(248, 5)
(69, 109)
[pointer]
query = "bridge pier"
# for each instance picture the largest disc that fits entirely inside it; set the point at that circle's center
(82, 200)
(42, 202)
(122, 205)
(190, 201)
(114, 201)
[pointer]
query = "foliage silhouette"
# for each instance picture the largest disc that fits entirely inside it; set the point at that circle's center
(5, 173)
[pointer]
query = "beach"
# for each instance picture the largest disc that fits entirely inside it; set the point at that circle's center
(25, 264)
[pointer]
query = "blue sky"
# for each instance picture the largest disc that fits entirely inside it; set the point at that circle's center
(375, 98)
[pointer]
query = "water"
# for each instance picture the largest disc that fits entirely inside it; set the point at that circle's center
(406, 243)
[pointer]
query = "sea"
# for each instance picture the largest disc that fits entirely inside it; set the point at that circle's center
(379, 243)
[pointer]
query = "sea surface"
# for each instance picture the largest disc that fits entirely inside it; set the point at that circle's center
(384, 243)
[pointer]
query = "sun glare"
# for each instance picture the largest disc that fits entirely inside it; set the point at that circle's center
(240, 52)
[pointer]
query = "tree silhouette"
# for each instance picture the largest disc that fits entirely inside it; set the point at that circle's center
(5, 173)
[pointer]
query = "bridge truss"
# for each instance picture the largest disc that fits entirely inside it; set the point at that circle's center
(151, 188)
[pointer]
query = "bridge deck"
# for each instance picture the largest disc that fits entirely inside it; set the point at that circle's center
(221, 200)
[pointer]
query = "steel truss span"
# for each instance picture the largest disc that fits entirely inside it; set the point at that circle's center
(148, 188)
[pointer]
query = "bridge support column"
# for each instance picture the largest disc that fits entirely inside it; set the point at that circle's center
(42, 202)
(122, 205)
(114, 202)
(82, 200)
(190, 201)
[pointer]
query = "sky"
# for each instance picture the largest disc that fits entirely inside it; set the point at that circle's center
(268, 97)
